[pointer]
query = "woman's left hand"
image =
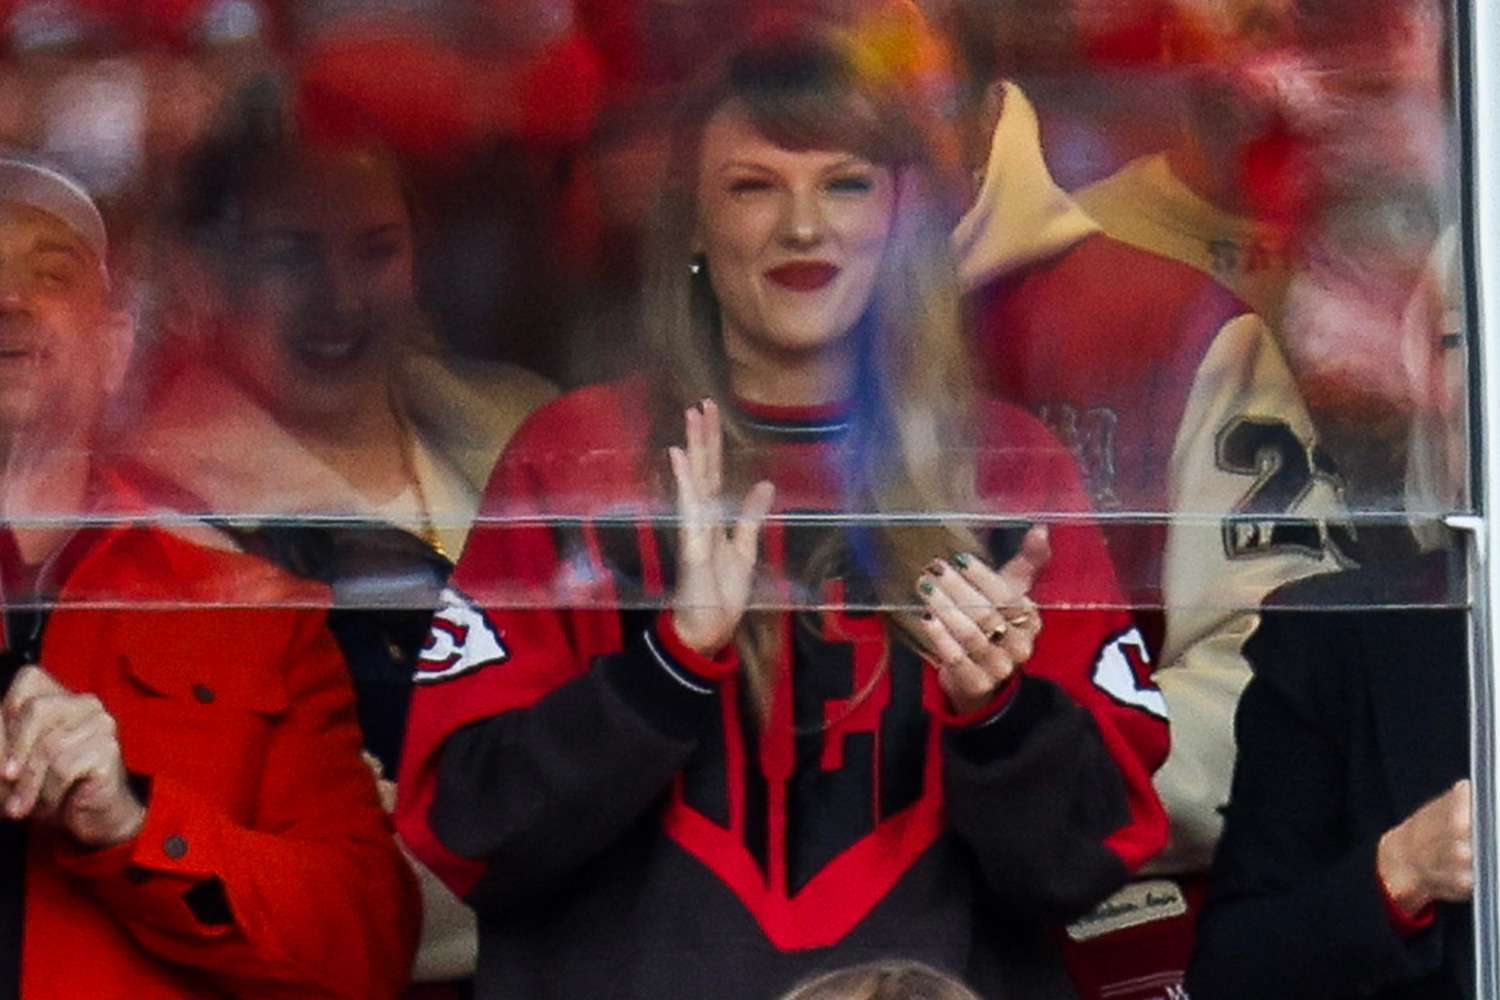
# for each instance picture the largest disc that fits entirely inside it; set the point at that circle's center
(981, 623)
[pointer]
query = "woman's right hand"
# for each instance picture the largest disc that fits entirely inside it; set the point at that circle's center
(715, 567)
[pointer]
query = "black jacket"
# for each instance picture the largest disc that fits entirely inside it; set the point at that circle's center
(624, 823)
(1355, 718)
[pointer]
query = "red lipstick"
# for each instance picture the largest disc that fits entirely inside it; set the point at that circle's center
(803, 276)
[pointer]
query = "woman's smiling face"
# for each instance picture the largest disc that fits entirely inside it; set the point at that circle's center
(324, 279)
(793, 239)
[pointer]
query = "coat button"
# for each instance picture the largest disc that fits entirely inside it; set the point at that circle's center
(203, 693)
(175, 847)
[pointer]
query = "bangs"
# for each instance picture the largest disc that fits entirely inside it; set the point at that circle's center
(807, 92)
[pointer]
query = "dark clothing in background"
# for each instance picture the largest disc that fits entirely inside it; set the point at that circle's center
(1354, 720)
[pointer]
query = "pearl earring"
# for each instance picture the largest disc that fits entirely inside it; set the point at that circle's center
(695, 266)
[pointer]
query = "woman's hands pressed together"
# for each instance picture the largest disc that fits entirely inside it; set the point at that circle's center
(715, 567)
(981, 623)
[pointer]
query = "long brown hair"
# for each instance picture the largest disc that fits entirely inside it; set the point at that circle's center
(807, 86)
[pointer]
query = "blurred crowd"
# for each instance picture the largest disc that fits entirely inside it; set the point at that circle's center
(1301, 153)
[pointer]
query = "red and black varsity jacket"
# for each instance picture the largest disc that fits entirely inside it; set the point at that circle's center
(625, 826)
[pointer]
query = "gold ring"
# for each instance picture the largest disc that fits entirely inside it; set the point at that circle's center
(995, 626)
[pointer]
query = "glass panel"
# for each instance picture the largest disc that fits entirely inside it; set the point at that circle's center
(827, 360)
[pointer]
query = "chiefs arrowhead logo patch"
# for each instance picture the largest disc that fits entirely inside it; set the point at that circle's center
(1123, 671)
(461, 641)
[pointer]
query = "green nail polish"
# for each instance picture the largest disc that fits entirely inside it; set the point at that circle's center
(926, 588)
(960, 560)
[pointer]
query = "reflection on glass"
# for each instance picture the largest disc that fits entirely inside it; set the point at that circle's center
(1211, 245)
(299, 376)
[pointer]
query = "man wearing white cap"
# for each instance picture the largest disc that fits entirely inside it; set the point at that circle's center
(63, 347)
(183, 808)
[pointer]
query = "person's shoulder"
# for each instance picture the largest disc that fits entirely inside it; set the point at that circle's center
(1423, 581)
(1126, 182)
(1004, 423)
(1022, 463)
(1101, 268)
(1150, 280)
(1323, 637)
(1103, 303)
(575, 451)
(524, 385)
(601, 414)
(161, 562)
(180, 608)
(426, 369)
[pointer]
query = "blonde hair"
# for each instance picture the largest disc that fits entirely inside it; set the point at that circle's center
(889, 980)
(909, 447)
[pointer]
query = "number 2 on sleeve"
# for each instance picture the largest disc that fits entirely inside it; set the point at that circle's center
(1285, 469)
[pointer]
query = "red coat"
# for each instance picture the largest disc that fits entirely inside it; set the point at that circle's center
(266, 867)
